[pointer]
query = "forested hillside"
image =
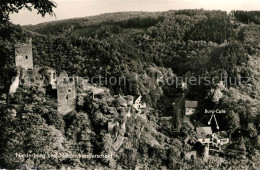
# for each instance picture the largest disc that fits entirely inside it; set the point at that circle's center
(144, 48)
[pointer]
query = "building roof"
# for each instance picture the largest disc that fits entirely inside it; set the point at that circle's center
(222, 134)
(199, 124)
(191, 104)
(204, 132)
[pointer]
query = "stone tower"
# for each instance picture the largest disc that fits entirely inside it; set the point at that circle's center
(66, 93)
(23, 55)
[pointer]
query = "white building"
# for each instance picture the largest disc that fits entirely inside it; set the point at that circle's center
(204, 135)
(138, 104)
(220, 138)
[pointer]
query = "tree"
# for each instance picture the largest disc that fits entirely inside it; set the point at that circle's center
(233, 122)
(13, 6)
(28, 133)
(79, 131)
(252, 131)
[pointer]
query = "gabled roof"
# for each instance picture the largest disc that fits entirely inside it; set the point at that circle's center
(191, 104)
(203, 132)
(138, 100)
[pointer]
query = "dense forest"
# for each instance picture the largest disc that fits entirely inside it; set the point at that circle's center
(142, 47)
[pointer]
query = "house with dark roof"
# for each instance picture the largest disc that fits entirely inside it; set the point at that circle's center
(190, 107)
(204, 134)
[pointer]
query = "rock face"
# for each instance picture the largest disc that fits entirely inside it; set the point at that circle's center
(23, 55)
(120, 138)
(14, 85)
(66, 93)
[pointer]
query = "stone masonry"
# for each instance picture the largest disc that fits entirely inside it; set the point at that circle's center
(66, 93)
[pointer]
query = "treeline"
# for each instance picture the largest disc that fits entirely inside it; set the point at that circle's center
(212, 29)
(140, 22)
(209, 14)
(247, 16)
(57, 28)
(81, 24)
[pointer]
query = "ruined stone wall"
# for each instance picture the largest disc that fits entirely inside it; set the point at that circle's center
(66, 93)
(52, 75)
(23, 55)
(30, 77)
(191, 155)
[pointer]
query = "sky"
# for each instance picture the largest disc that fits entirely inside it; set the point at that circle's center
(81, 8)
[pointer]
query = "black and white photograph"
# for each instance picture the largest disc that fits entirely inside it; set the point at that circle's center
(130, 84)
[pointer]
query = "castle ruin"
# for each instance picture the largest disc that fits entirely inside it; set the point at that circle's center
(23, 55)
(23, 62)
(66, 93)
(29, 75)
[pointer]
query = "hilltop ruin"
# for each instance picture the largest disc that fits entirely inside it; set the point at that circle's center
(66, 93)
